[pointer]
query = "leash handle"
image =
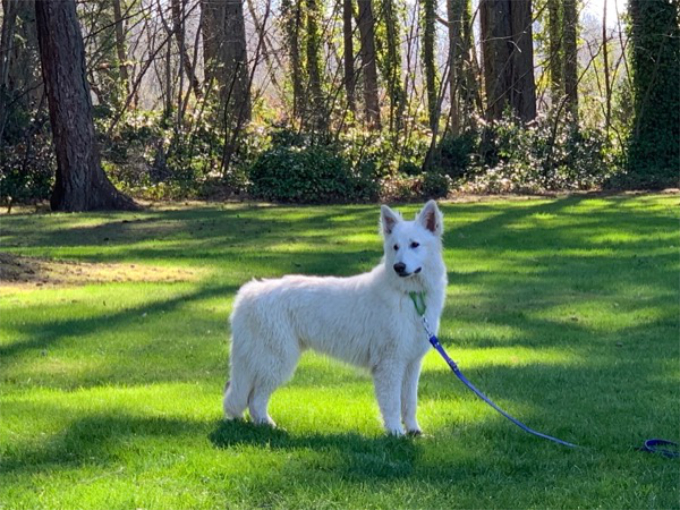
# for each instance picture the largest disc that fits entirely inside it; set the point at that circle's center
(653, 446)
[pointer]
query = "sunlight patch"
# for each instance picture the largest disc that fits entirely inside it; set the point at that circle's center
(18, 272)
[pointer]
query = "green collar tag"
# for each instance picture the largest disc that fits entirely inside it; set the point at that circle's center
(418, 299)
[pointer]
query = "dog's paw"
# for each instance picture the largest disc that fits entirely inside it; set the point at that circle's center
(266, 422)
(415, 433)
(394, 431)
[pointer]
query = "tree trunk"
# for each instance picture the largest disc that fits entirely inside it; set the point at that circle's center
(81, 184)
(429, 12)
(121, 48)
(507, 45)
(178, 14)
(317, 116)
(570, 73)
(233, 78)
(653, 148)
(555, 45)
(212, 16)
(523, 91)
(456, 63)
(367, 29)
(292, 22)
(9, 10)
(607, 77)
(392, 67)
(348, 40)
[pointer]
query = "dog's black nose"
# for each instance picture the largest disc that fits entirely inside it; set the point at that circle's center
(400, 268)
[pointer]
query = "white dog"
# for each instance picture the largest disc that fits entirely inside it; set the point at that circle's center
(368, 320)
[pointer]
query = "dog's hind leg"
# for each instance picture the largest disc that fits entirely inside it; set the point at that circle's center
(236, 394)
(276, 367)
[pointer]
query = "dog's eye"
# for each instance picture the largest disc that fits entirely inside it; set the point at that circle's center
(396, 247)
(414, 244)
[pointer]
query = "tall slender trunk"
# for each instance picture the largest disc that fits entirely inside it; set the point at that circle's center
(235, 81)
(555, 48)
(523, 90)
(81, 184)
(607, 77)
(392, 67)
(9, 10)
(429, 16)
(291, 12)
(570, 73)
(178, 9)
(369, 66)
(121, 48)
(212, 19)
(318, 114)
(453, 9)
(348, 60)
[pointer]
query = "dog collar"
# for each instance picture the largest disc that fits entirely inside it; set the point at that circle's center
(418, 299)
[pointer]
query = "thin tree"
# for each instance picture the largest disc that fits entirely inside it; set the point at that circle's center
(570, 51)
(555, 49)
(428, 18)
(370, 71)
(81, 184)
(348, 56)
(317, 115)
(292, 19)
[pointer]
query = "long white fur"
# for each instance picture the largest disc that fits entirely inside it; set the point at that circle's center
(367, 320)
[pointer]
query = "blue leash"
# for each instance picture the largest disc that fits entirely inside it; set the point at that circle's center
(438, 346)
(666, 448)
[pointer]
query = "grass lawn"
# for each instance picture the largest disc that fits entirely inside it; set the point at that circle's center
(113, 356)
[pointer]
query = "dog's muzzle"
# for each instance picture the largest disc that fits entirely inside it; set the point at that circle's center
(400, 269)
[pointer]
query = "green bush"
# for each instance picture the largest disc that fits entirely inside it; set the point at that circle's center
(312, 174)
(455, 154)
(544, 156)
(436, 184)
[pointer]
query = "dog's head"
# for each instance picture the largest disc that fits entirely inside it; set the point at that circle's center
(412, 246)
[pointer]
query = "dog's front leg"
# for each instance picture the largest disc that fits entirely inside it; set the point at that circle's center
(409, 397)
(387, 377)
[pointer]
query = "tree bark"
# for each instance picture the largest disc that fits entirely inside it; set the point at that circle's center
(570, 73)
(523, 91)
(236, 81)
(292, 22)
(367, 29)
(81, 184)
(429, 11)
(318, 115)
(392, 67)
(121, 48)
(348, 41)
(555, 45)
(507, 45)
(177, 10)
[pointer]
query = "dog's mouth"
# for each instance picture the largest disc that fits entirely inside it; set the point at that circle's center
(404, 274)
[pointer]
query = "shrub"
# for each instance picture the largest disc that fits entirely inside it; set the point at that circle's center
(311, 174)
(436, 184)
(455, 154)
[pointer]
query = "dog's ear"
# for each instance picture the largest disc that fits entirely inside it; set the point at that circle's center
(388, 219)
(431, 218)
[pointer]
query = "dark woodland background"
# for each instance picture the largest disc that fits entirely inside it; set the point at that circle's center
(334, 100)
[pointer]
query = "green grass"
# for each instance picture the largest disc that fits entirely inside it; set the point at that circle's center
(565, 311)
